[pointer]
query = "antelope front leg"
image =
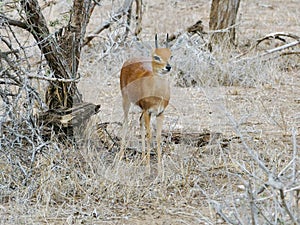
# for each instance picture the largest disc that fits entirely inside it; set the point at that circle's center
(159, 124)
(147, 118)
(142, 128)
(148, 137)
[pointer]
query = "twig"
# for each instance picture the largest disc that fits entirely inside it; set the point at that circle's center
(219, 212)
(270, 51)
(277, 35)
(121, 12)
(250, 151)
(139, 14)
(294, 140)
(225, 30)
(252, 205)
(16, 23)
(9, 45)
(115, 139)
(54, 79)
(287, 208)
(22, 169)
(280, 48)
(290, 53)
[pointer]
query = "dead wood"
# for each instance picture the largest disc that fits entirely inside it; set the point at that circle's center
(53, 50)
(53, 79)
(108, 139)
(139, 15)
(69, 116)
(196, 28)
(290, 53)
(62, 118)
(278, 35)
(198, 139)
(280, 48)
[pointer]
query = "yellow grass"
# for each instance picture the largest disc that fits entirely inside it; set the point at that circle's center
(254, 105)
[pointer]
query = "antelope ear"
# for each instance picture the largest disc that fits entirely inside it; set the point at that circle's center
(167, 41)
(156, 45)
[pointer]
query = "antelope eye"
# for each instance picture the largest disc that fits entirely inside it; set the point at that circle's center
(157, 58)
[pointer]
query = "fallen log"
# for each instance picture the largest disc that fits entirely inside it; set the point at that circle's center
(62, 119)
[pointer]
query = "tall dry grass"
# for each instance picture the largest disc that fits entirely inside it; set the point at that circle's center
(248, 173)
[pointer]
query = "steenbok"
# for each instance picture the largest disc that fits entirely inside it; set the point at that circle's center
(143, 82)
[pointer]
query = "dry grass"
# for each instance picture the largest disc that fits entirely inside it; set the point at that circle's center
(249, 174)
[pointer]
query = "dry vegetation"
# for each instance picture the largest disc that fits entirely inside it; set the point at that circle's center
(231, 150)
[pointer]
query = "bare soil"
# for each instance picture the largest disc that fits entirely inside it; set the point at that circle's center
(263, 115)
(266, 113)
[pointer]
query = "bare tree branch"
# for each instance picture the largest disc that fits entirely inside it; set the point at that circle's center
(54, 79)
(5, 20)
(38, 28)
(121, 12)
(270, 51)
(285, 206)
(139, 15)
(280, 48)
(277, 35)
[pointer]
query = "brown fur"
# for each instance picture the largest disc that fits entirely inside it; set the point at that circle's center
(143, 82)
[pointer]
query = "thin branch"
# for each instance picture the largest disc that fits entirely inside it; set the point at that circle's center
(282, 197)
(225, 30)
(253, 207)
(89, 9)
(280, 48)
(249, 150)
(270, 51)
(295, 153)
(121, 12)
(139, 14)
(277, 35)
(9, 45)
(46, 42)
(63, 80)
(5, 20)
(219, 212)
(290, 53)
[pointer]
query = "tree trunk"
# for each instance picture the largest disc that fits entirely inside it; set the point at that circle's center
(222, 19)
(62, 52)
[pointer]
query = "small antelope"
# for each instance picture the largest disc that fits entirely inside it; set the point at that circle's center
(144, 83)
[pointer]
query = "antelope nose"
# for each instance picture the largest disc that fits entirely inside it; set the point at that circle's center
(168, 67)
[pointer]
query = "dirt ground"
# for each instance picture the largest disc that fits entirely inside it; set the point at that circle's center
(201, 182)
(201, 108)
(267, 112)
